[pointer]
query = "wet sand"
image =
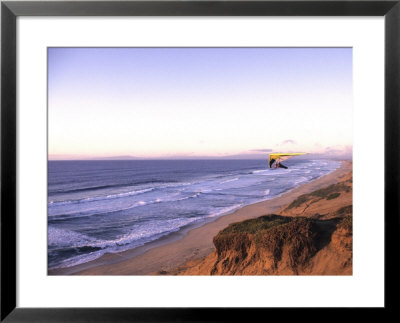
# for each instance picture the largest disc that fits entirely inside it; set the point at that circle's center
(191, 243)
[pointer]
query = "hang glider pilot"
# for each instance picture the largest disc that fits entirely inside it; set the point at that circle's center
(277, 158)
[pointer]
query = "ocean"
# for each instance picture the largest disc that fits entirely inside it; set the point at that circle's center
(97, 207)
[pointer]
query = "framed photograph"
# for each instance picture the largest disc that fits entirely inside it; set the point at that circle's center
(161, 159)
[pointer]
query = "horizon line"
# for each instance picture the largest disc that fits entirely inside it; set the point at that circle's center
(254, 157)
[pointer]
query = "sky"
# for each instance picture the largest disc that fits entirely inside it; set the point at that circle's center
(194, 102)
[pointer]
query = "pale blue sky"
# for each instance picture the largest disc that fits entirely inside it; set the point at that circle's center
(155, 102)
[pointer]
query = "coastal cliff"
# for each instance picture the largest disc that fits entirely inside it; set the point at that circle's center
(310, 236)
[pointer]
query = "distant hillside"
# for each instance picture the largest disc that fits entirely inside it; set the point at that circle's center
(125, 157)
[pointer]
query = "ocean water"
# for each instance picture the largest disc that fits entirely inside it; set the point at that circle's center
(95, 207)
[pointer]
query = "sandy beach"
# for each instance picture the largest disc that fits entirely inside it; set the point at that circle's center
(194, 243)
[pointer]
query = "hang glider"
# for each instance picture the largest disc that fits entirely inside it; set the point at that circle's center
(276, 159)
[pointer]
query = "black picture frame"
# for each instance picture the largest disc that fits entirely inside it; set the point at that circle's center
(10, 10)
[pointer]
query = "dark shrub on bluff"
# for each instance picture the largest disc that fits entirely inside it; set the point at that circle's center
(333, 196)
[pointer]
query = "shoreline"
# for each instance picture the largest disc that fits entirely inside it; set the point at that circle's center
(192, 242)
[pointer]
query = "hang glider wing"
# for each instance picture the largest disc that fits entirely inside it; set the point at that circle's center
(278, 158)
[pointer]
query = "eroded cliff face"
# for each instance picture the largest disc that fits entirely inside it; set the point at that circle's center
(311, 236)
